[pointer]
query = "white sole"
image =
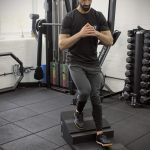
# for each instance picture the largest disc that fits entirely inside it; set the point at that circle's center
(104, 145)
(78, 126)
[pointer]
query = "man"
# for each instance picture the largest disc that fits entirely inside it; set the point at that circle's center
(81, 31)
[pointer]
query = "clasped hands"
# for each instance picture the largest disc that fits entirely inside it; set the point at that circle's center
(88, 30)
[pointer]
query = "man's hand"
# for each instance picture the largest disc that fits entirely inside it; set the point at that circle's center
(88, 30)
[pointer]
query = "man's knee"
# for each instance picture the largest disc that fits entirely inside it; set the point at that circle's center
(85, 93)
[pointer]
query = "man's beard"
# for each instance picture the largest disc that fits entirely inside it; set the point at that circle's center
(85, 7)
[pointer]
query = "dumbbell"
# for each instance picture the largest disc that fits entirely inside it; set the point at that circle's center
(131, 33)
(128, 80)
(128, 88)
(146, 49)
(144, 99)
(146, 55)
(147, 35)
(147, 41)
(129, 73)
(145, 62)
(145, 92)
(145, 69)
(130, 59)
(145, 85)
(131, 46)
(126, 95)
(131, 40)
(129, 66)
(145, 77)
(130, 53)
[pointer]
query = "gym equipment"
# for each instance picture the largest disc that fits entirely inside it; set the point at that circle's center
(144, 99)
(145, 85)
(64, 72)
(137, 83)
(102, 55)
(51, 24)
(145, 92)
(130, 60)
(145, 69)
(34, 17)
(73, 135)
(138, 66)
(128, 80)
(38, 74)
(55, 64)
(105, 49)
(131, 46)
(131, 40)
(49, 36)
(147, 35)
(147, 41)
(131, 33)
(145, 77)
(127, 96)
(129, 66)
(130, 53)
(146, 55)
(145, 62)
(54, 68)
(128, 88)
(146, 49)
(15, 71)
(129, 73)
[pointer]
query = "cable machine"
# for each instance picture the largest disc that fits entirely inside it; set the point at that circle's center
(54, 65)
(57, 74)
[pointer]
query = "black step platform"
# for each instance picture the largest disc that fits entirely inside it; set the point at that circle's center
(94, 146)
(73, 135)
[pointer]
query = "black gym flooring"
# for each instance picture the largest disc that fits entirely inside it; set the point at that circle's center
(30, 120)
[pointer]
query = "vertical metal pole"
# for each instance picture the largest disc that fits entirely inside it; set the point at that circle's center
(49, 41)
(74, 4)
(111, 14)
(138, 64)
(68, 6)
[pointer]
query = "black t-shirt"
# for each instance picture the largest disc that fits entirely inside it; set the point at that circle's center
(85, 50)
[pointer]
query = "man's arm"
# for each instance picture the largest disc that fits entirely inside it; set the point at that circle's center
(105, 37)
(66, 41)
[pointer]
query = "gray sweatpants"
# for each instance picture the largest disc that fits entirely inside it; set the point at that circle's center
(87, 81)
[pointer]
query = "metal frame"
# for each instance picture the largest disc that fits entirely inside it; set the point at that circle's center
(21, 72)
(49, 38)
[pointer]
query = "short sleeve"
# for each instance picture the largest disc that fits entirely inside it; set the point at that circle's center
(103, 25)
(66, 25)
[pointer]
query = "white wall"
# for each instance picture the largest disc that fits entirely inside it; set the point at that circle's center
(15, 37)
(14, 17)
(25, 50)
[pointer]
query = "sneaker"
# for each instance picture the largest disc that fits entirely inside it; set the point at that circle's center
(103, 141)
(78, 120)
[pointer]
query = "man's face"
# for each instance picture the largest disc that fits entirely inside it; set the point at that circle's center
(85, 4)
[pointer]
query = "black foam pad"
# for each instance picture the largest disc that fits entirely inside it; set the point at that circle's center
(38, 74)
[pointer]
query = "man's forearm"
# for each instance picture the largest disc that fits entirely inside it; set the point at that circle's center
(105, 39)
(66, 43)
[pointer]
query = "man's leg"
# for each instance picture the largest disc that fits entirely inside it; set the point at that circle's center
(94, 78)
(83, 86)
